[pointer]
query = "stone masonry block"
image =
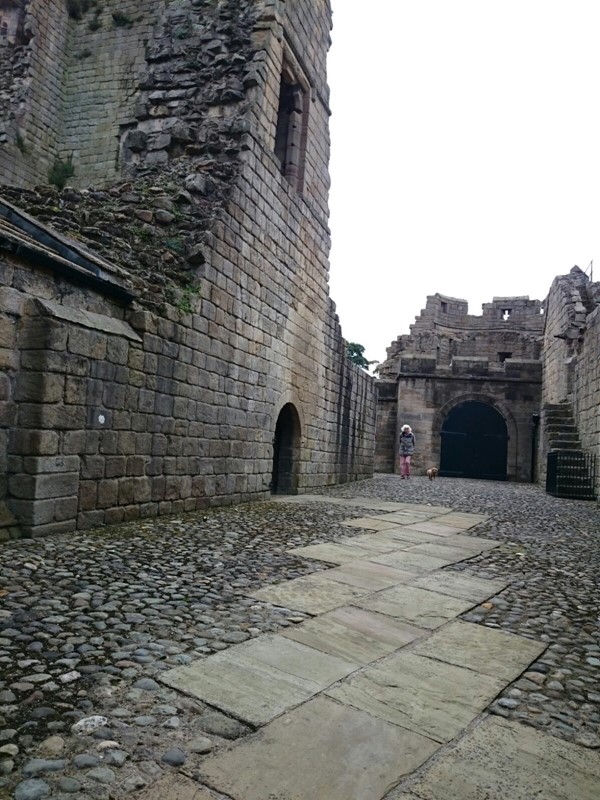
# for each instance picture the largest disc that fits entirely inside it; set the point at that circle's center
(41, 333)
(39, 387)
(32, 512)
(92, 466)
(87, 343)
(8, 414)
(7, 332)
(66, 508)
(4, 387)
(9, 358)
(88, 494)
(55, 417)
(65, 363)
(41, 487)
(30, 442)
(108, 493)
(75, 391)
(35, 465)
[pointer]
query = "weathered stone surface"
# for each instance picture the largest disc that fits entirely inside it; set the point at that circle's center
(501, 759)
(334, 553)
(416, 606)
(369, 576)
(430, 697)
(259, 680)
(460, 585)
(365, 757)
(491, 652)
(313, 594)
(354, 635)
(412, 562)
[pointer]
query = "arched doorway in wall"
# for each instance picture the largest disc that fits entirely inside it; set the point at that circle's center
(474, 442)
(286, 451)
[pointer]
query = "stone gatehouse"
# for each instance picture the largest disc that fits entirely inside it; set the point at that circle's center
(490, 396)
(468, 386)
(167, 339)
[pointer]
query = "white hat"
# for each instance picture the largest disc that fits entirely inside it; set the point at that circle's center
(406, 428)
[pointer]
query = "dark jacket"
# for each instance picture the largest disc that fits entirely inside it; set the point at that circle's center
(407, 444)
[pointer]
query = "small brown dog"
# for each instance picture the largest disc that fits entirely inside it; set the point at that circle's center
(432, 473)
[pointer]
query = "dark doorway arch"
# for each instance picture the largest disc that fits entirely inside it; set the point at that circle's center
(286, 451)
(474, 443)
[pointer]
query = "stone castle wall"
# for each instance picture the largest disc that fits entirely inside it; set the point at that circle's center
(571, 352)
(69, 85)
(451, 357)
(106, 419)
(33, 71)
(229, 260)
(509, 327)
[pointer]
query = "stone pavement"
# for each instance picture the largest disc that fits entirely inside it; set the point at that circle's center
(365, 643)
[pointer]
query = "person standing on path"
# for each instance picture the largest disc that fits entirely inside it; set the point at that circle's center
(407, 448)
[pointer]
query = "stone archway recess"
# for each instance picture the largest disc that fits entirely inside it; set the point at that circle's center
(501, 430)
(474, 443)
(286, 451)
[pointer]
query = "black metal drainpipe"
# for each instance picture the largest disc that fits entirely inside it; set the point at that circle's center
(535, 418)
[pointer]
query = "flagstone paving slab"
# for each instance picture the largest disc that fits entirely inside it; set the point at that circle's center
(435, 528)
(505, 760)
(403, 535)
(294, 659)
(332, 553)
(321, 751)
(370, 576)
(429, 697)
(313, 594)
(438, 550)
(371, 541)
(403, 518)
(412, 562)
(254, 694)
(356, 636)
(370, 523)
(415, 605)
(486, 650)
(426, 507)
(421, 512)
(380, 626)
(465, 521)
(460, 585)
(258, 680)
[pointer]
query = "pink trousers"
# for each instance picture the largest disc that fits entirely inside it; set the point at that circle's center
(405, 465)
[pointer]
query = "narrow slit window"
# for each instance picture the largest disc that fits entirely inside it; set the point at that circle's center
(290, 134)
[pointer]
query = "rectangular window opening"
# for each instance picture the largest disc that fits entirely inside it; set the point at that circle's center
(292, 122)
(503, 356)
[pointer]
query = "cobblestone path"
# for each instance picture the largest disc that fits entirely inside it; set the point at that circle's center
(88, 622)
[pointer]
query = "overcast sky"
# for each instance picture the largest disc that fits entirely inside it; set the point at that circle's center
(465, 154)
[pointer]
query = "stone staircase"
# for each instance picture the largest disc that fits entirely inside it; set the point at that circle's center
(560, 428)
(573, 470)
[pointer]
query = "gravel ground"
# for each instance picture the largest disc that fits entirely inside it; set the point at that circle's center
(87, 621)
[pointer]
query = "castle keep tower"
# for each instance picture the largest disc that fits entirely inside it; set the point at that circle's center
(167, 334)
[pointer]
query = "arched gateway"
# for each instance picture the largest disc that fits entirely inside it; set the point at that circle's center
(474, 443)
(286, 451)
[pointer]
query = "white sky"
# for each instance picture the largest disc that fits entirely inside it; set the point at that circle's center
(465, 154)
